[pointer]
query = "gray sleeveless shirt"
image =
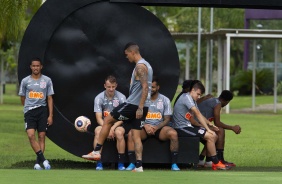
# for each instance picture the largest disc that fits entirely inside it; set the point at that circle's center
(135, 90)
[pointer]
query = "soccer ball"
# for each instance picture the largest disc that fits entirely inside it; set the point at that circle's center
(81, 123)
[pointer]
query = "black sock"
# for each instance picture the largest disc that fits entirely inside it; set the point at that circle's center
(219, 153)
(138, 163)
(40, 156)
(214, 159)
(201, 157)
(37, 160)
(131, 156)
(208, 159)
(121, 157)
(98, 147)
(174, 155)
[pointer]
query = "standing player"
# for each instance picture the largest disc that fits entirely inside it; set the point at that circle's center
(184, 110)
(35, 89)
(211, 108)
(135, 109)
(104, 103)
(155, 125)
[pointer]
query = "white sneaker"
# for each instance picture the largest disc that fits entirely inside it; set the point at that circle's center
(37, 167)
(208, 164)
(138, 169)
(46, 164)
(94, 155)
(201, 163)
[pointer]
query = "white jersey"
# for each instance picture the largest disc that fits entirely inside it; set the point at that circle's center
(105, 105)
(35, 91)
(157, 110)
(182, 111)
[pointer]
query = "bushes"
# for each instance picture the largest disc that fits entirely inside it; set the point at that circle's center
(242, 82)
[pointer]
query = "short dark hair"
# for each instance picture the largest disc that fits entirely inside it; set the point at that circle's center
(187, 84)
(111, 79)
(155, 79)
(196, 84)
(131, 46)
(226, 95)
(36, 59)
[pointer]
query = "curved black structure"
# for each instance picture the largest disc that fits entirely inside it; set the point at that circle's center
(80, 43)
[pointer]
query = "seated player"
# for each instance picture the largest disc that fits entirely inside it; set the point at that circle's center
(185, 109)
(155, 125)
(211, 108)
(103, 104)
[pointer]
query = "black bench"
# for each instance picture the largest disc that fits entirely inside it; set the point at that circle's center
(156, 152)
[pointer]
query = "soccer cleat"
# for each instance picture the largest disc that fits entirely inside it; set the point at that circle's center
(174, 167)
(37, 167)
(201, 163)
(46, 164)
(219, 166)
(229, 164)
(138, 169)
(99, 166)
(94, 155)
(208, 164)
(121, 167)
(130, 167)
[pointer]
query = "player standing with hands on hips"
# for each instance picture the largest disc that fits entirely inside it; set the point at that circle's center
(135, 109)
(35, 90)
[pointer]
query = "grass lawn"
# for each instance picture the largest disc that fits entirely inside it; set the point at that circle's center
(256, 151)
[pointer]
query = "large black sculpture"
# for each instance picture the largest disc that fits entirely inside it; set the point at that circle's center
(80, 43)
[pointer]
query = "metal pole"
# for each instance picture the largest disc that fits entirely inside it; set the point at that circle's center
(275, 75)
(227, 69)
(207, 68)
(254, 76)
(219, 66)
(187, 66)
(211, 54)
(1, 78)
(199, 44)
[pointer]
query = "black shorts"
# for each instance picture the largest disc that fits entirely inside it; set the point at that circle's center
(191, 132)
(127, 113)
(156, 135)
(36, 119)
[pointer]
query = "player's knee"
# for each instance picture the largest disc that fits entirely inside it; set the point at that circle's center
(173, 135)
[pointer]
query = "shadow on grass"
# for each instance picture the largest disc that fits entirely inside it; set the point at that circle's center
(68, 164)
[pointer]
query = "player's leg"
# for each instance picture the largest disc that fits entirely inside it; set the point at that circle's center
(119, 135)
(168, 133)
(138, 147)
(130, 148)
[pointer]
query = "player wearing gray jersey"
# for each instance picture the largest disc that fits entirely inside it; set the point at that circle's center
(104, 103)
(183, 121)
(136, 107)
(155, 125)
(35, 90)
(211, 109)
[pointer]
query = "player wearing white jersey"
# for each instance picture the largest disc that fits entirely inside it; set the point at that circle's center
(156, 125)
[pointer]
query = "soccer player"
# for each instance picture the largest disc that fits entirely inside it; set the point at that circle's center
(104, 103)
(35, 89)
(183, 121)
(155, 125)
(211, 108)
(135, 109)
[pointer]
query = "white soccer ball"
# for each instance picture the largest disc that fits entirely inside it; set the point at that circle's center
(81, 123)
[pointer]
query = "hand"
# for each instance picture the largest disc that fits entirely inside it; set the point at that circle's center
(139, 113)
(111, 135)
(50, 120)
(236, 129)
(210, 132)
(213, 127)
(148, 129)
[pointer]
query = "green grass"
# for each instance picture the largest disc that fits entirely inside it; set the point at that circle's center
(256, 151)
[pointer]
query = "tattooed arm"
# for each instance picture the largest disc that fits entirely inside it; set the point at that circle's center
(142, 75)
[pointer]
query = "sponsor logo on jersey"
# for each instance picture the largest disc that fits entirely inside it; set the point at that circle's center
(188, 116)
(122, 118)
(106, 113)
(36, 95)
(160, 105)
(201, 131)
(115, 102)
(154, 115)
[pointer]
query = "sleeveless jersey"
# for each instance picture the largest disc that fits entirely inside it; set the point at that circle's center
(35, 91)
(206, 108)
(135, 89)
(157, 110)
(105, 105)
(182, 111)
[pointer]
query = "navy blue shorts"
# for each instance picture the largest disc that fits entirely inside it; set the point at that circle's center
(36, 119)
(127, 113)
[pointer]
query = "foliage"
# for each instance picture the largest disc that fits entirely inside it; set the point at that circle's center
(243, 82)
(279, 88)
